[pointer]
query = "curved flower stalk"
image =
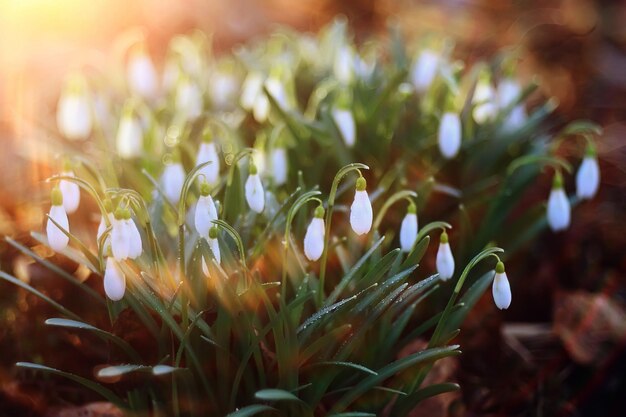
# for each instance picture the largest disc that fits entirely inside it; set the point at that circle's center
(424, 70)
(501, 290)
(279, 165)
(141, 74)
(445, 260)
(344, 120)
(57, 239)
(559, 210)
(114, 280)
(70, 191)
(588, 175)
(255, 195)
(188, 99)
(408, 228)
(509, 90)
(361, 215)
(173, 179)
(129, 139)
(207, 152)
(314, 237)
(74, 111)
(485, 102)
(449, 135)
(206, 211)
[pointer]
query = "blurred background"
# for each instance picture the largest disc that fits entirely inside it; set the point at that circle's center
(561, 348)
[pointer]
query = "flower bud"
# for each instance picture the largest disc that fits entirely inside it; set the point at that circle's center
(74, 113)
(120, 235)
(56, 238)
(114, 280)
(251, 89)
(361, 209)
(558, 206)
(173, 180)
(255, 195)
(588, 176)
(509, 90)
(208, 153)
(277, 90)
(71, 193)
(206, 212)
(424, 70)
(223, 88)
(141, 74)
(484, 100)
(214, 244)
(408, 229)
(445, 260)
(450, 135)
(343, 64)
(279, 165)
(188, 100)
(344, 120)
(314, 237)
(129, 139)
(501, 289)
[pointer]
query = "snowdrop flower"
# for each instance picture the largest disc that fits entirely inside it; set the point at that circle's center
(501, 289)
(277, 90)
(208, 153)
(188, 99)
(121, 235)
(223, 87)
(344, 120)
(114, 280)
(278, 158)
(74, 116)
(70, 191)
(251, 88)
(213, 244)
(484, 100)
(408, 229)
(314, 237)
(171, 74)
(361, 209)
(445, 260)
(424, 70)
(129, 139)
(255, 195)
(509, 91)
(141, 74)
(588, 175)
(343, 64)
(206, 211)
(173, 179)
(261, 108)
(558, 205)
(56, 238)
(135, 246)
(450, 135)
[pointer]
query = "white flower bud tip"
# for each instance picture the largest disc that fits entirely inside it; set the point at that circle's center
(74, 114)
(135, 246)
(450, 135)
(424, 70)
(207, 152)
(344, 120)
(279, 165)
(114, 280)
(255, 195)
(142, 76)
(56, 238)
(361, 209)
(71, 193)
(445, 260)
(588, 178)
(501, 289)
(559, 210)
(314, 237)
(173, 180)
(129, 139)
(408, 230)
(120, 235)
(205, 213)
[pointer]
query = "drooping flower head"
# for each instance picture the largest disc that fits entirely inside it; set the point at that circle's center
(129, 138)
(140, 72)
(207, 152)
(424, 70)
(588, 175)
(559, 210)
(206, 211)
(361, 209)
(255, 195)
(344, 120)
(74, 110)
(445, 260)
(114, 280)
(56, 238)
(173, 179)
(501, 289)
(214, 244)
(69, 189)
(314, 237)
(121, 234)
(449, 135)
(408, 229)
(279, 166)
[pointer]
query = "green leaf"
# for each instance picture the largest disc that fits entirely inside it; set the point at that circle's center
(274, 394)
(346, 365)
(119, 370)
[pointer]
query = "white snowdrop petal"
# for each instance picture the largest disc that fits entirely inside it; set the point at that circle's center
(142, 77)
(135, 246)
(251, 89)
(255, 195)
(345, 123)
(71, 193)
(588, 178)
(343, 64)
(501, 291)
(424, 70)
(129, 139)
(56, 238)
(215, 249)
(120, 240)
(74, 117)
(261, 108)
(205, 213)
(114, 280)
(486, 107)
(173, 179)
(445, 261)
(558, 210)
(408, 232)
(188, 100)
(208, 153)
(314, 239)
(450, 135)
(361, 213)
(277, 90)
(279, 165)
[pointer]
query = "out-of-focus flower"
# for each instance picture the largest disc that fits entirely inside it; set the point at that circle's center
(276, 88)
(343, 64)
(485, 104)
(173, 179)
(445, 260)
(214, 244)
(509, 90)
(450, 135)
(361, 209)
(120, 234)
(70, 191)
(344, 120)
(142, 76)
(408, 229)
(223, 87)
(314, 237)
(558, 205)
(56, 238)
(501, 289)
(129, 138)
(279, 166)
(114, 280)
(255, 195)
(135, 245)
(207, 152)
(188, 99)
(424, 70)
(74, 112)
(588, 175)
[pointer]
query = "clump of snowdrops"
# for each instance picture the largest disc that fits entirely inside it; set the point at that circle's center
(258, 212)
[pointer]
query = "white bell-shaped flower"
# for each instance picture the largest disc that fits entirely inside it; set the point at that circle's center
(120, 235)
(278, 158)
(171, 74)
(449, 135)
(588, 176)
(223, 88)
(408, 229)
(261, 108)
(214, 244)
(424, 70)
(114, 280)
(71, 193)
(251, 89)
(56, 238)
(188, 99)
(445, 260)
(206, 211)
(255, 195)
(501, 289)
(173, 179)
(129, 138)
(141, 74)
(277, 89)
(485, 102)
(208, 153)
(559, 209)
(343, 64)
(361, 209)
(344, 120)
(314, 237)
(74, 111)
(135, 245)
(509, 90)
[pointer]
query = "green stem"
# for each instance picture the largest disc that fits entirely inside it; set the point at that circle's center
(404, 194)
(181, 264)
